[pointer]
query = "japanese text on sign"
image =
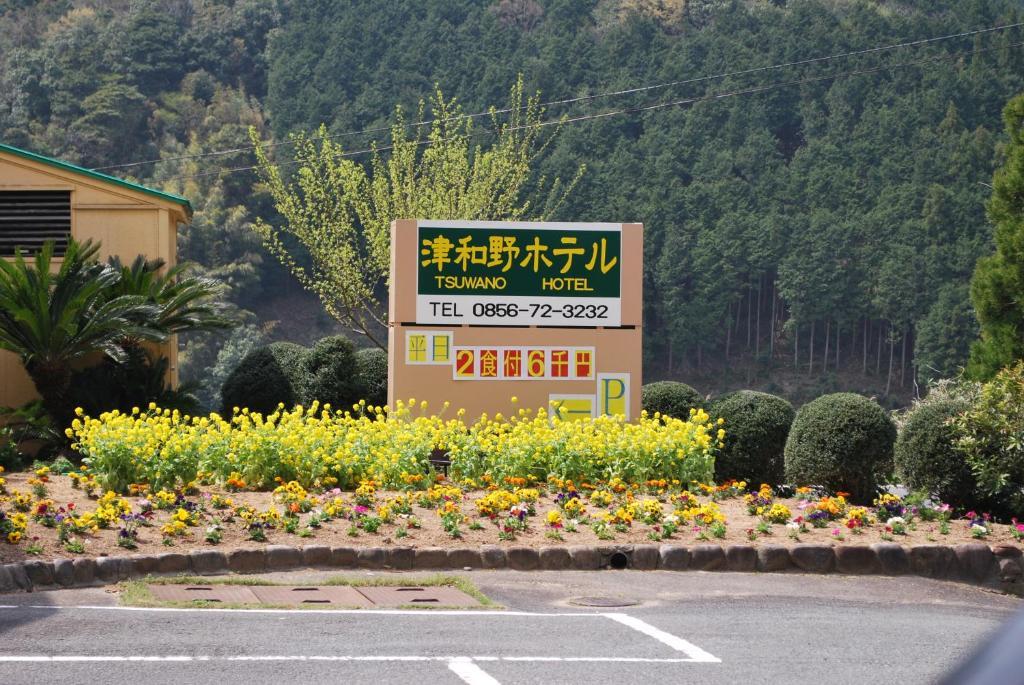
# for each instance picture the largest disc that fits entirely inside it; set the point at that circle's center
(523, 363)
(519, 275)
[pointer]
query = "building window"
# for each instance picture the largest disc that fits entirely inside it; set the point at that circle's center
(28, 218)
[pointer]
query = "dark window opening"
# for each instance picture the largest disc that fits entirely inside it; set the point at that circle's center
(28, 218)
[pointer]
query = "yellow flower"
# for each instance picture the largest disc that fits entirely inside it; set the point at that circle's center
(574, 507)
(778, 513)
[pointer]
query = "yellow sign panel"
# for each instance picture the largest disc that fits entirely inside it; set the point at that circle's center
(613, 394)
(416, 348)
(441, 346)
(572, 407)
(428, 347)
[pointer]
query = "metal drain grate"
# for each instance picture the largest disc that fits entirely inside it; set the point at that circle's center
(221, 594)
(331, 595)
(304, 594)
(439, 595)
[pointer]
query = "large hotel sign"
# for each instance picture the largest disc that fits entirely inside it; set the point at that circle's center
(549, 312)
(539, 274)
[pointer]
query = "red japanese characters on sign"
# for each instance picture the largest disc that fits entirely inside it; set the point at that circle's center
(506, 363)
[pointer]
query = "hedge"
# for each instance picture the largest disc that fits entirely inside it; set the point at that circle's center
(670, 398)
(756, 427)
(842, 441)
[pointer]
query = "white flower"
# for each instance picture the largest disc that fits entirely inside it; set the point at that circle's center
(895, 521)
(672, 518)
(793, 525)
(978, 527)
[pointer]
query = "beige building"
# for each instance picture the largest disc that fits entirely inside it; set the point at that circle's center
(46, 199)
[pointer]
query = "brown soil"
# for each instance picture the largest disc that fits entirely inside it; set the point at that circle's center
(431, 534)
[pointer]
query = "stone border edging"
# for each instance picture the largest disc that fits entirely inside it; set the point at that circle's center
(999, 567)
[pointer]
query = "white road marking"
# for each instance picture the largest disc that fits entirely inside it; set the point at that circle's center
(469, 672)
(41, 658)
(677, 643)
(694, 653)
(66, 659)
(592, 659)
(426, 612)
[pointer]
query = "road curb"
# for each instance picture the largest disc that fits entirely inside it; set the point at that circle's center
(1000, 567)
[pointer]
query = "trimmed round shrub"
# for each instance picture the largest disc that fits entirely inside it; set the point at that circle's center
(671, 398)
(265, 377)
(331, 369)
(926, 456)
(841, 441)
(372, 371)
(756, 427)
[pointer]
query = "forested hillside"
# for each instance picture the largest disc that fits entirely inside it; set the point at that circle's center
(805, 238)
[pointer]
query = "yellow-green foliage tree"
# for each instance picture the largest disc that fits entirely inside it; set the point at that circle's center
(339, 210)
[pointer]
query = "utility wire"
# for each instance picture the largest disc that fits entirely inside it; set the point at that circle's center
(594, 96)
(644, 108)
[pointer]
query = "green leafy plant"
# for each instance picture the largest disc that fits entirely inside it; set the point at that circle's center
(265, 377)
(997, 288)
(991, 435)
(670, 398)
(10, 455)
(926, 454)
(332, 373)
(53, 316)
(843, 442)
(56, 317)
(371, 524)
(74, 546)
(372, 373)
(756, 427)
(214, 534)
(450, 523)
(256, 532)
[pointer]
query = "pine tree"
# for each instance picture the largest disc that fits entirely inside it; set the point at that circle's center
(997, 288)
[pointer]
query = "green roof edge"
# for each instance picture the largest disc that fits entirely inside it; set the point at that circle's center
(68, 166)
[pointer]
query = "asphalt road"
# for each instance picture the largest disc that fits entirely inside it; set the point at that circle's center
(687, 628)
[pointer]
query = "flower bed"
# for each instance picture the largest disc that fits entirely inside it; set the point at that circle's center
(325, 448)
(49, 516)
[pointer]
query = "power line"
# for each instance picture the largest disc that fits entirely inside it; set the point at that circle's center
(645, 108)
(594, 96)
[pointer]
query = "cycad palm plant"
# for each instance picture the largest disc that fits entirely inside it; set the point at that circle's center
(181, 303)
(52, 318)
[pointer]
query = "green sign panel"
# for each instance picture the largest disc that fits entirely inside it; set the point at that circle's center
(513, 262)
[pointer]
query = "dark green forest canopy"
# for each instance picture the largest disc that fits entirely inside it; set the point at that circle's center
(823, 232)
